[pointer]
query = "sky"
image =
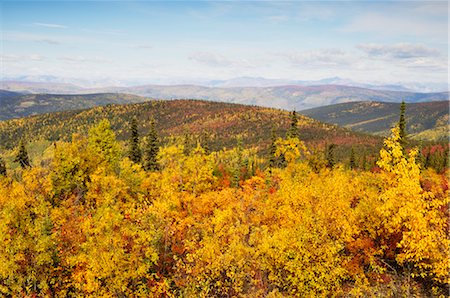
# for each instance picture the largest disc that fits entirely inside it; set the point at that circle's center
(184, 41)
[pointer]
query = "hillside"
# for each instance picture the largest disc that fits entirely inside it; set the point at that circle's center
(17, 105)
(426, 120)
(220, 124)
(288, 97)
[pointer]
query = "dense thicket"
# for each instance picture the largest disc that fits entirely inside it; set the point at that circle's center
(85, 221)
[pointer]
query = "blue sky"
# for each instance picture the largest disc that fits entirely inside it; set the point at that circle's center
(182, 41)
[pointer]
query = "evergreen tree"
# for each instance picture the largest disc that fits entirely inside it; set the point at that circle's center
(2, 167)
(151, 149)
(135, 150)
(352, 159)
(273, 149)
(402, 125)
(293, 130)
(364, 162)
(427, 160)
(331, 161)
(239, 163)
(187, 144)
(204, 142)
(22, 156)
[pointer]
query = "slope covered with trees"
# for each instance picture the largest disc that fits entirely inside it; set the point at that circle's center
(17, 105)
(425, 121)
(214, 124)
(87, 221)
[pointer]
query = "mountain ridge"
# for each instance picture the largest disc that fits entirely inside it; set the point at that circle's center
(288, 97)
(242, 81)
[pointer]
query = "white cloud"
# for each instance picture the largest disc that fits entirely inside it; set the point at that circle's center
(142, 46)
(217, 60)
(104, 31)
(48, 25)
(398, 51)
(82, 59)
(26, 37)
(211, 59)
(403, 23)
(20, 58)
(406, 56)
(319, 58)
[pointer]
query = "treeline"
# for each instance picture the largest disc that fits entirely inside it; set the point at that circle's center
(93, 218)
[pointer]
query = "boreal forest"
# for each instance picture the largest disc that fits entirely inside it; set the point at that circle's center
(140, 201)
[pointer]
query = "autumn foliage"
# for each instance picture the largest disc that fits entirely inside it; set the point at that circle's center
(91, 223)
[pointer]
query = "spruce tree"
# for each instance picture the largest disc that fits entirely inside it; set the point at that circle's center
(2, 167)
(330, 156)
(22, 156)
(187, 144)
(364, 162)
(272, 151)
(402, 125)
(239, 163)
(135, 150)
(204, 143)
(151, 149)
(352, 159)
(293, 130)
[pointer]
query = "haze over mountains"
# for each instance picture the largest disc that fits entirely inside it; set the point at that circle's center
(244, 81)
(288, 97)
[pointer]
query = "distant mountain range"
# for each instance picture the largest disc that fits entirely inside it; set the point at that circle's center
(425, 120)
(233, 82)
(288, 97)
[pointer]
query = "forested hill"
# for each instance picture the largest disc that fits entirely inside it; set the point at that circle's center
(17, 105)
(425, 120)
(218, 124)
(288, 97)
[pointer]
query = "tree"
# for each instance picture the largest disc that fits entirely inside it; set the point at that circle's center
(419, 215)
(239, 164)
(2, 167)
(352, 159)
(402, 125)
(291, 150)
(204, 140)
(293, 130)
(102, 140)
(22, 156)
(151, 149)
(331, 161)
(364, 162)
(273, 150)
(135, 150)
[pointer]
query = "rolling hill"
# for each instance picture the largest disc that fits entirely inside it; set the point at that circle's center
(17, 105)
(288, 97)
(220, 124)
(425, 120)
